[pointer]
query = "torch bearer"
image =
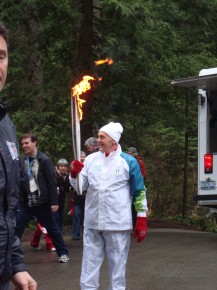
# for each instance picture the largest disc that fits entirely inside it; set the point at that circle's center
(77, 114)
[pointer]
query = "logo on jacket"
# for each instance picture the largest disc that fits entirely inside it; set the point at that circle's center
(97, 167)
(13, 150)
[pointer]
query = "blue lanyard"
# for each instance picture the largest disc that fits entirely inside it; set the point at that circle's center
(29, 166)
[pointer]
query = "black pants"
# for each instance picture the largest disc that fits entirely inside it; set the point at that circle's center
(45, 218)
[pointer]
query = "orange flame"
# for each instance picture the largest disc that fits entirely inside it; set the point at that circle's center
(85, 85)
(102, 61)
(78, 90)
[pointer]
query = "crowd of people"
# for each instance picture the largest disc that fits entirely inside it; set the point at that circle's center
(31, 188)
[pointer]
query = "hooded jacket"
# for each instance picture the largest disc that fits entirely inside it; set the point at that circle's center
(111, 183)
(11, 176)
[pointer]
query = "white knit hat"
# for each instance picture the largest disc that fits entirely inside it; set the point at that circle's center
(114, 130)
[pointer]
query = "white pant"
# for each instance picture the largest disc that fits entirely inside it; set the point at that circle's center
(115, 245)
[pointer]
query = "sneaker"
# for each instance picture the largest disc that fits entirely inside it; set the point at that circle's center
(76, 238)
(63, 259)
(53, 249)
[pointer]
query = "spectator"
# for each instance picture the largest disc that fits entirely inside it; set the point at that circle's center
(42, 199)
(35, 241)
(112, 178)
(78, 211)
(91, 145)
(83, 156)
(63, 186)
(12, 174)
(132, 151)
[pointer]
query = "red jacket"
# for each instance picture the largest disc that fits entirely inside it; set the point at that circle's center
(142, 166)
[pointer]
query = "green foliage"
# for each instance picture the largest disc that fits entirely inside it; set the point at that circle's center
(151, 43)
(198, 222)
(201, 222)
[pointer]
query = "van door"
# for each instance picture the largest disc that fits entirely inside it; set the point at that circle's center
(206, 83)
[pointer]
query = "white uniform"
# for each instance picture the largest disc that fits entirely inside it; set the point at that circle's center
(110, 182)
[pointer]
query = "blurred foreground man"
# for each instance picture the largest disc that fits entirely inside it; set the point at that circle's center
(112, 179)
(12, 266)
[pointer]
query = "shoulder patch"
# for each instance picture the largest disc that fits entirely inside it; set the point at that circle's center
(13, 150)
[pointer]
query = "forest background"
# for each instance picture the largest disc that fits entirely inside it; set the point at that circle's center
(54, 43)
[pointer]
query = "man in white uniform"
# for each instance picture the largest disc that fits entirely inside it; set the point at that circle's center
(112, 180)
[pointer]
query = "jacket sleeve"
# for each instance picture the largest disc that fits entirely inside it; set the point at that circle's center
(138, 189)
(24, 184)
(51, 181)
(68, 184)
(17, 257)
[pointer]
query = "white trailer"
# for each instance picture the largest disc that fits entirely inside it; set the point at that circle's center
(206, 83)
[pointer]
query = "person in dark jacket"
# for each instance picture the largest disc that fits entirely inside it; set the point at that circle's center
(42, 198)
(63, 186)
(78, 207)
(12, 178)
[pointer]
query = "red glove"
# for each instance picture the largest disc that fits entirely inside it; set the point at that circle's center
(75, 167)
(140, 230)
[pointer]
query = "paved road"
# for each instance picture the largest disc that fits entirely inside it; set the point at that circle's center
(167, 260)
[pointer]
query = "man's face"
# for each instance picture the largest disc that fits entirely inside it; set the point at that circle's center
(3, 62)
(90, 148)
(106, 143)
(29, 147)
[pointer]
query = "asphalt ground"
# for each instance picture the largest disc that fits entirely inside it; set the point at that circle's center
(168, 259)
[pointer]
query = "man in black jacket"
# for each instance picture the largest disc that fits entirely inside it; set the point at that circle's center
(42, 198)
(12, 176)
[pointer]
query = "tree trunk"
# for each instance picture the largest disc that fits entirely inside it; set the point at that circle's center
(86, 37)
(86, 59)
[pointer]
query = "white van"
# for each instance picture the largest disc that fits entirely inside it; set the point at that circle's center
(206, 83)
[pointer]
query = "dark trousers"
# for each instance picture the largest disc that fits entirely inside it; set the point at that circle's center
(59, 217)
(77, 219)
(45, 218)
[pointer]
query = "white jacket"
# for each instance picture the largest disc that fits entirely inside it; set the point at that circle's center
(111, 182)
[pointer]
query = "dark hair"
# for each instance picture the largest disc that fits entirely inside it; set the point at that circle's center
(29, 135)
(4, 32)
